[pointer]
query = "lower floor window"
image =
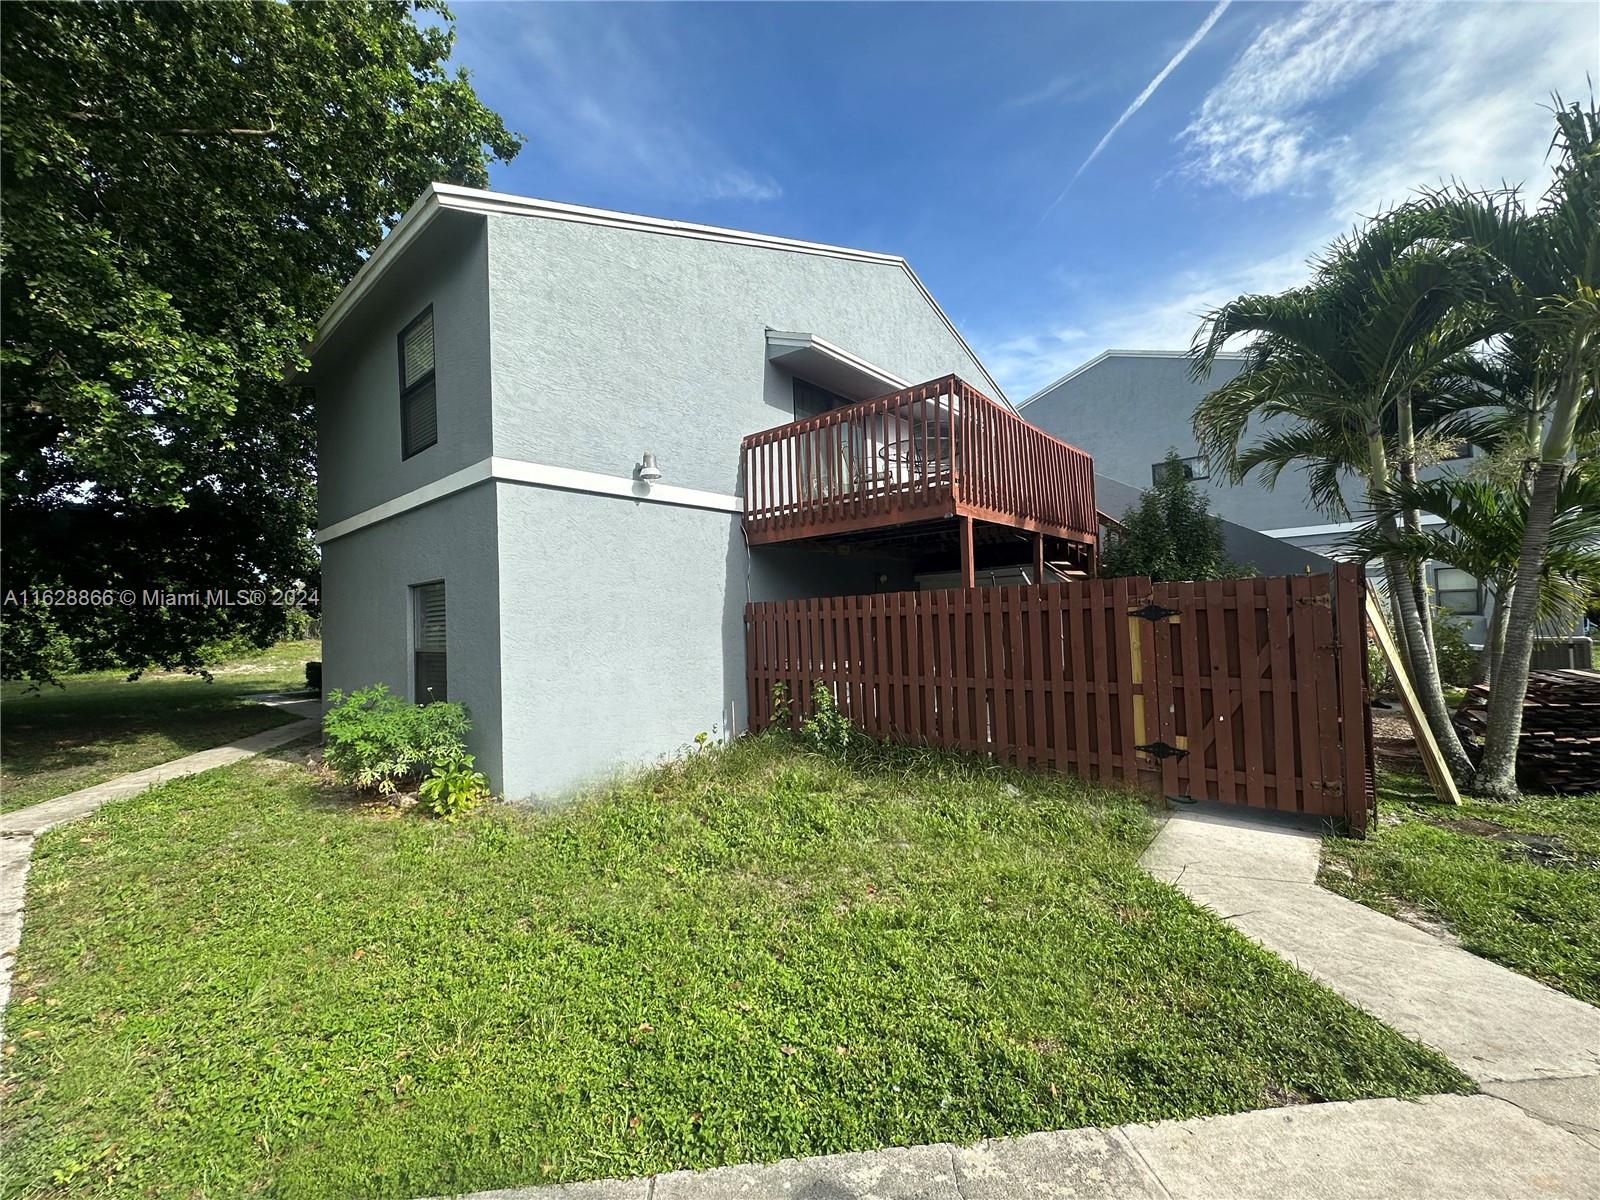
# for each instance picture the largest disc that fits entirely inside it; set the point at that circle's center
(1458, 591)
(430, 674)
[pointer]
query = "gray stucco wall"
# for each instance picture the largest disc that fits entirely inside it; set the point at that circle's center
(622, 628)
(1128, 411)
(357, 380)
(608, 342)
(366, 606)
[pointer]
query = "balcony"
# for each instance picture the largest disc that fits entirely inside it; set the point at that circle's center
(909, 463)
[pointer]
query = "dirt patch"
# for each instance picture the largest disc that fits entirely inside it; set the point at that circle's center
(1540, 849)
(1393, 743)
(1278, 1096)
(1426, 921)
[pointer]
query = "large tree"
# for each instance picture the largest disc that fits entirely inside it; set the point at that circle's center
(1545, 287)
(1341, 376)
(185, 189)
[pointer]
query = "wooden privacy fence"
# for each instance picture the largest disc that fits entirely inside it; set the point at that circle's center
(1249, 691)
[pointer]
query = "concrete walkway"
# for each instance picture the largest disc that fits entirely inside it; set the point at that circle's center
(1462, 1147)
(19, 828)
(1534, 1051)
(1497, 1026)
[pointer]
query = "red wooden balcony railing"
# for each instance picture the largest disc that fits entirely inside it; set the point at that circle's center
(938, 449)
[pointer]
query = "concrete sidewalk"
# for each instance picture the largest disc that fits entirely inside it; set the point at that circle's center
(19, 828)
(36, 818)
(1445, 1146)
(1497, 1026)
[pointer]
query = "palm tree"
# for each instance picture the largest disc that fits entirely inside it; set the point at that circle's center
(1343, 373)
(1483, 526)
(1545, 269)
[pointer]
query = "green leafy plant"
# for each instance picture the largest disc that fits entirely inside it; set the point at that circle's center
(1456, 658)
(827, 728)
(453, 788)
(781, 713)
(1170, 534)
(375, 740)
(1377, 670)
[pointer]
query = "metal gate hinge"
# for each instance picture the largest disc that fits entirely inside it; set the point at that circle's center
(1323, 601)
(1162, 750)
(1153, 612)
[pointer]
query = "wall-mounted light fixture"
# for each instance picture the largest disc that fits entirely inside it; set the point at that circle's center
(647, 471)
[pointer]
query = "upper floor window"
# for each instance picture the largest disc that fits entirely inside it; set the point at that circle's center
(1192, 468)
(419, 410)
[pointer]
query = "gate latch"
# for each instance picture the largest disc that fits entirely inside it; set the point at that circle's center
(1153, 612)
(1161, 750)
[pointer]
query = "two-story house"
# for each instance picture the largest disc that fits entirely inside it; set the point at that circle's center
(561, 448)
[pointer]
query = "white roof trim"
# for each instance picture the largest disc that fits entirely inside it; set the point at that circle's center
(795, 349)
(1105, 354)
(545, 475)
(1292, 531)
(440, 196)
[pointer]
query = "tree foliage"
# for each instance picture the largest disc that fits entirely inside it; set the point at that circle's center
(1170, 534)
(186, 187)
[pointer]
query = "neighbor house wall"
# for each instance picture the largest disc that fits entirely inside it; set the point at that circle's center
(607, 342)
(1130, 410)
(366, 606)
(622, 628)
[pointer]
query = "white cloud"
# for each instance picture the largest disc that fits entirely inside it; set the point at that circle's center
(590, 93)
(1155, 320)
(1452, 91)
(1345, 109)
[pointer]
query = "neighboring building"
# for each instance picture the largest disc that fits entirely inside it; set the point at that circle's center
(535, 451)
(1129, 408)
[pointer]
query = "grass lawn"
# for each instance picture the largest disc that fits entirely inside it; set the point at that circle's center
(241, 983)
(1518, 883)
(99, 726)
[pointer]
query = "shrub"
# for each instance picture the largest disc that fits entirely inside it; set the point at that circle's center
(1377, 669)
(453, 788)
(375, 740)
(826, 728)
(1457, 660)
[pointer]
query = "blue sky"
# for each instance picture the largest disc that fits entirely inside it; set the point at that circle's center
(948, 133)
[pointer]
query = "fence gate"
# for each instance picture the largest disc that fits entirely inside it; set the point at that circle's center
(1249, 691)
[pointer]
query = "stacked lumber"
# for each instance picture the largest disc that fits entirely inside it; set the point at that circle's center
(1560, 746)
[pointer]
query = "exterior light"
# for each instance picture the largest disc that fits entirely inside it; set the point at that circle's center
(648, 471)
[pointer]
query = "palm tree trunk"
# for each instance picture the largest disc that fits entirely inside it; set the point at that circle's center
(1495, 643)
(1424, 672)
(1416, 573)
(1497, 774)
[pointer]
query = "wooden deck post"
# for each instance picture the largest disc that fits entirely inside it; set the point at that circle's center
(969, 575)
(1038, 559)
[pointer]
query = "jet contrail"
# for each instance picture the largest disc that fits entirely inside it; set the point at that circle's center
(1138, 101)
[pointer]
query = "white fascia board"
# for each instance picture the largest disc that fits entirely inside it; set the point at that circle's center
(515, 470)
(807, 348)
(440, 196)
(1293, 531)
(1105, 354)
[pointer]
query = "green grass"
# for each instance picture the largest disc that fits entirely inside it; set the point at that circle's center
(1518, 883)
(239, 983)
(98, 726)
